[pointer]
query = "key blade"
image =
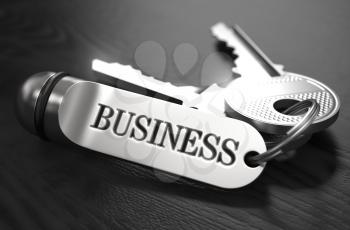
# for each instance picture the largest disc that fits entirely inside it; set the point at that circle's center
(129, 74)
(251, 60)
(255, 50)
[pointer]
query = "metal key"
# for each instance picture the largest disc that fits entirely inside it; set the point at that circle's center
(128, 74)
(189, 95)
(264, 89)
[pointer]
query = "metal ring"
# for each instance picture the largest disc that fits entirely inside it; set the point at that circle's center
(40, 105)
(297, 130)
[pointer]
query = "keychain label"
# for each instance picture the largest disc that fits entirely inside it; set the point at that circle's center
(159, 134)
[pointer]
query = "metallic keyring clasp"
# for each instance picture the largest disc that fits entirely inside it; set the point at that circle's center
(301, 127)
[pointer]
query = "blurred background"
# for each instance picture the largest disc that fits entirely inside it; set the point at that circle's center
(45, 185)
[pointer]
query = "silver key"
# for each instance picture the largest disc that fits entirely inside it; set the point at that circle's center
(189, 95)
(126, 73)
(264, 89)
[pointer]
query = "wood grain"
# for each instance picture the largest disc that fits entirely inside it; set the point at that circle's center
(44, 185)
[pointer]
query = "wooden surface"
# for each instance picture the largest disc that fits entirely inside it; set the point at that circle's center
(44, 185)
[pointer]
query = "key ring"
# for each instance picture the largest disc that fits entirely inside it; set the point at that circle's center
(296, 131)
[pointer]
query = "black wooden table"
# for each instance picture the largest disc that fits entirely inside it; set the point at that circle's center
(44, 185)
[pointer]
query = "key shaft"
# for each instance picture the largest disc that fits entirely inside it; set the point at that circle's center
(251, 62)
(260, 56)
(133, 76)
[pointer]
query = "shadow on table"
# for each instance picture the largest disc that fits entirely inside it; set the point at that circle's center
(312, 165)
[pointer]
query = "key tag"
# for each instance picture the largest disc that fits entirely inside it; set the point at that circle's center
(159, 134)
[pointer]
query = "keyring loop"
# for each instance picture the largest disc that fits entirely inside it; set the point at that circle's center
(293, 133)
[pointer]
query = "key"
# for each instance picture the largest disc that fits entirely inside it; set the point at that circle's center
(189, 95)
(130, 75)
(264, 89)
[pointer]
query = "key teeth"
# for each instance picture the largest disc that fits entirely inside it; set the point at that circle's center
(220, 26)
(219, 36)
(130, 68)
(136, 71)
(235, 70)
(219, 31)
(140, 73)
(279, 67)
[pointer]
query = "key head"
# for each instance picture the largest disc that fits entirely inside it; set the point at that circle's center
(260, 102)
